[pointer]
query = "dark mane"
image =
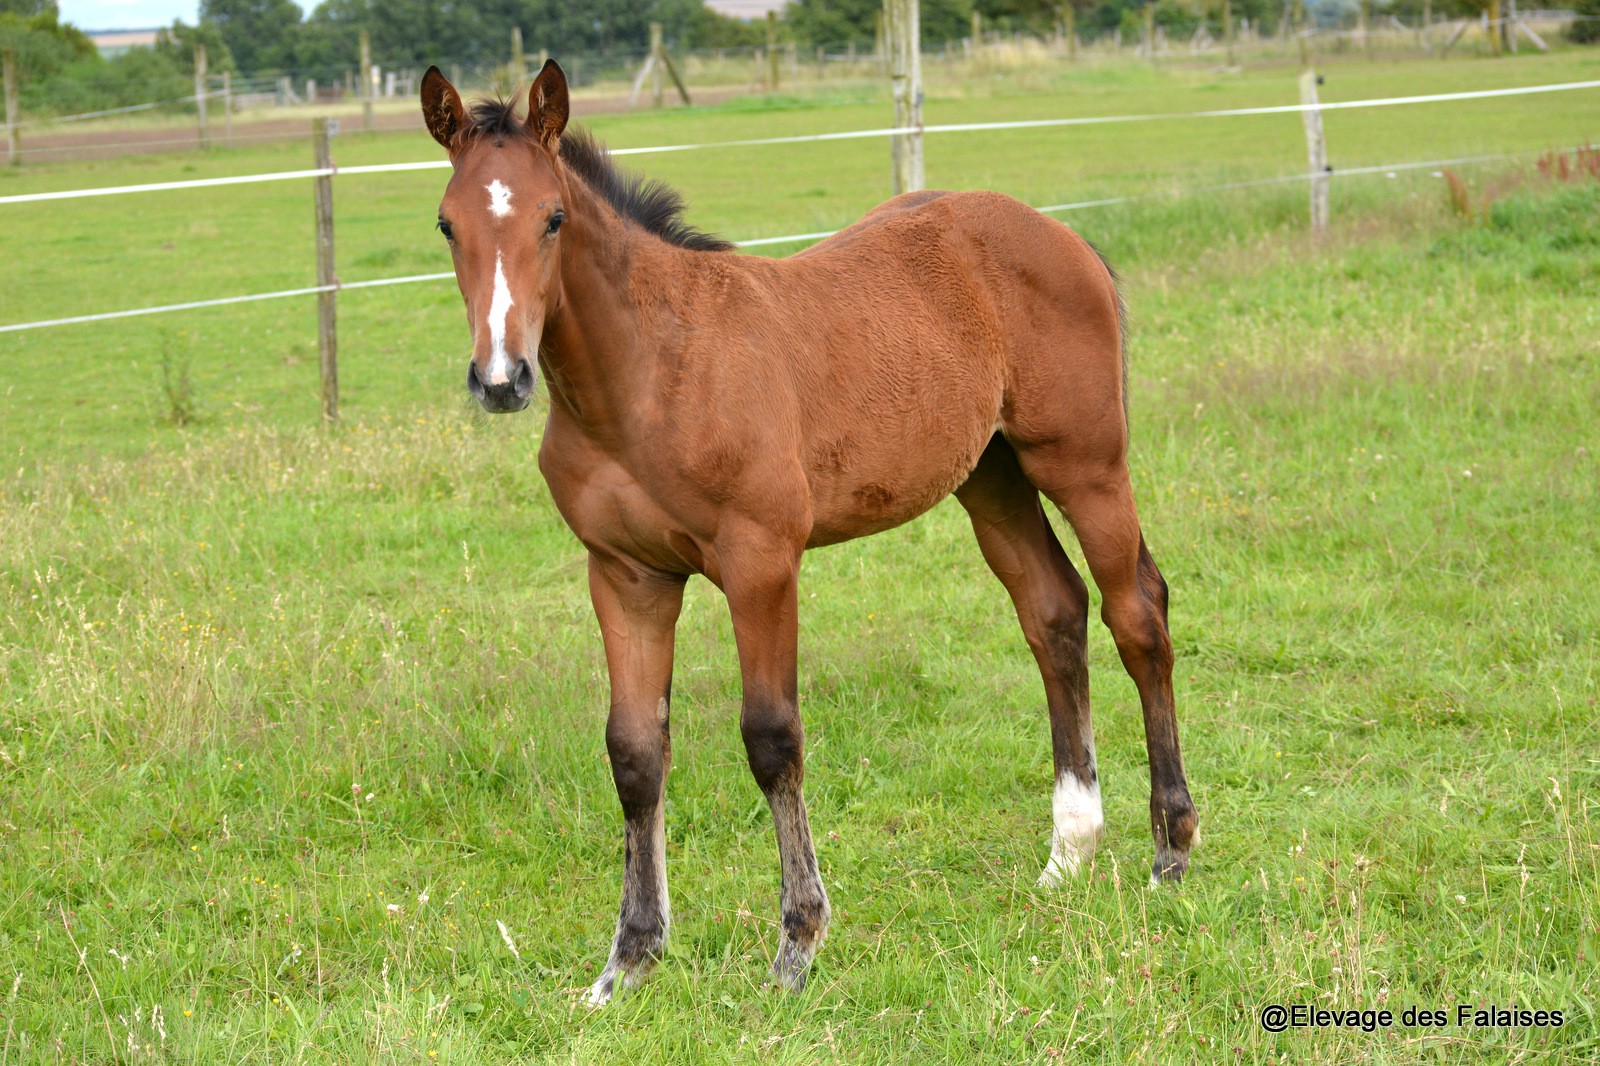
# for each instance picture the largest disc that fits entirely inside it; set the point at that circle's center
(652, 204)
(493, 118)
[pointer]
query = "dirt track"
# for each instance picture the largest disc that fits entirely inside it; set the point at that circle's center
(108, 144)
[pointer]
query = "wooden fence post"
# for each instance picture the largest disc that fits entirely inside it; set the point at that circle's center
(328, 298)
(8, 60)
(200, 93)
(1069, 20)
(1316, 153)
(903, 38)
(519, 59)
(654, 64)
(364, 80)
(1227, 30)
(672, 72)
(658, 49)
(227, 108)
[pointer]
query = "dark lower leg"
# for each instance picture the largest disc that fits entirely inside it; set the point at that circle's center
(1052, 605)
(761, 580)
(637, 610)
(1137, 616)
(773, 742)
(1135, 609)
(1075, 804)
(639, 763)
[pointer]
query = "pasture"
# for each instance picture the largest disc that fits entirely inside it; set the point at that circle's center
(301, 728)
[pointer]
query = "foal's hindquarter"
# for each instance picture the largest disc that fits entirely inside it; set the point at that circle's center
(947, 343)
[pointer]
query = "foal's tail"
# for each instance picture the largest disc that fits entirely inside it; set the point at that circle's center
(1122, 320)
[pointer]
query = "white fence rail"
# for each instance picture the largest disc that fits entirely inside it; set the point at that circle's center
(1389, 169)
(845, 135)
(381, 168)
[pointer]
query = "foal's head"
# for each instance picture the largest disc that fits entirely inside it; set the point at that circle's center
(502, 214)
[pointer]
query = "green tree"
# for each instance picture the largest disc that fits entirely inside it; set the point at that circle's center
(177, 43)
(43, 45)
(1587, 29)
(833, 22)
(261, 34)
(1032, 16)
(27, 9)
(61, 71)
(709, 29)
(415, 32)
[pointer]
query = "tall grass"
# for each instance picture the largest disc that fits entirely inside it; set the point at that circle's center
(294, 719)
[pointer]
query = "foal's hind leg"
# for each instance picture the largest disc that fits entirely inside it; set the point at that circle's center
(1097, 499)
(1053, 607)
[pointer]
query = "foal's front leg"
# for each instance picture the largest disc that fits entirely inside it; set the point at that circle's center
(638, 610)
(761, 586)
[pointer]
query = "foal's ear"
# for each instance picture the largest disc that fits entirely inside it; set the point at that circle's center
(547, 104)
(441, 107)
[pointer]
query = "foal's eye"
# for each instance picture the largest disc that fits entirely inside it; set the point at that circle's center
(444, 228)
(555, 223)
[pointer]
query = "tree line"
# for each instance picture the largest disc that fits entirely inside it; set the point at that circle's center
(61, 71)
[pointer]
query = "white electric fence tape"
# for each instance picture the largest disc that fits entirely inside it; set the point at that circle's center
(887, 131)
(795, 238)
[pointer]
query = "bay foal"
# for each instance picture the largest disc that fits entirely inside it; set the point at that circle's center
(718, 414)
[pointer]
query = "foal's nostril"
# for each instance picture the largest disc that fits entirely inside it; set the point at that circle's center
(502, 397)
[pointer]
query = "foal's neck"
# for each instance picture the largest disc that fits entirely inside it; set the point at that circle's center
(601, 347)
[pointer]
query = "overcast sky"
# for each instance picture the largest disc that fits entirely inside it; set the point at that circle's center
(128, 14)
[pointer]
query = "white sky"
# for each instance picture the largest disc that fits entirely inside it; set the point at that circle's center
(128, 14)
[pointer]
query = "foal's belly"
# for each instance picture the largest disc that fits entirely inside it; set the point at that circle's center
(857, 495)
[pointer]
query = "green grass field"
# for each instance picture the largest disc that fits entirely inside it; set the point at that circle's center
(291, 718)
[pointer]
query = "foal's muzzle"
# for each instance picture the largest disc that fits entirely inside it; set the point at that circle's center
(506, 397)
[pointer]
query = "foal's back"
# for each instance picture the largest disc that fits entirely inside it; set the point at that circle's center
(908, 340)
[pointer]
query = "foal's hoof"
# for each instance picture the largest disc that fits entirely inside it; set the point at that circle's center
(791, 965)
(1177, 832)
(614, 980)
(1168, 868)
(1066, 864)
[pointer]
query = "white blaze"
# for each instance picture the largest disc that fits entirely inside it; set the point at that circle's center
(499, 198)
(499, 361)
(1078, 824)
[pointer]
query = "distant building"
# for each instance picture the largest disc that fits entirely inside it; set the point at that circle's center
(746, 9)
(112, 43)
